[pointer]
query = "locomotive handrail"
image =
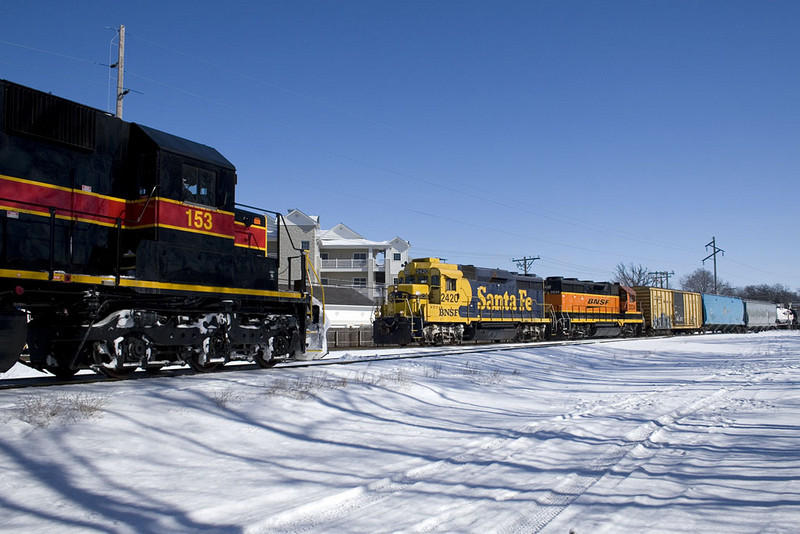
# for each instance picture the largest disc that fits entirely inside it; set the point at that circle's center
(53, 211)
(147, 203)
(309, 265)
(71, 211)
(279, 217)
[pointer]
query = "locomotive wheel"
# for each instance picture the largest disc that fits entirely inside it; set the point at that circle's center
(113, 372)
(132, 347)
(264, 363)
(108, 367)
(198, 364)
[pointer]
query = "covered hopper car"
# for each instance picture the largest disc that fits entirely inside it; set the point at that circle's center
(723, 314)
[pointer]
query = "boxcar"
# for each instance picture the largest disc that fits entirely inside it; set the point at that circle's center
(669, 310)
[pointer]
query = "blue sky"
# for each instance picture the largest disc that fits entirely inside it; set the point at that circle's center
(588, 133)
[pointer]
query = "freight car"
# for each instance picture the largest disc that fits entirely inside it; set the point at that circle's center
(760, 315)
(436, 302)
(669, 311)
(122, 246)
(723, 314)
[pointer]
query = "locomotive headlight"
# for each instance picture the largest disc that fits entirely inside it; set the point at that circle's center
(19, 290)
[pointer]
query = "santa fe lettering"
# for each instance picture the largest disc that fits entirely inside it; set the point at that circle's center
(505, 302)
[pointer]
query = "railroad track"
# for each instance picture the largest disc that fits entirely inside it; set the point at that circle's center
(346, 357)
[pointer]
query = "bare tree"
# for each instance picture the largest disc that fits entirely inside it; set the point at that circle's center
(633, 275)
(777, 293)
(702, 281)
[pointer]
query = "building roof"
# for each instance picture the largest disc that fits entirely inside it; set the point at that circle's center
(342, 236)
(347, 296)
(299, 218)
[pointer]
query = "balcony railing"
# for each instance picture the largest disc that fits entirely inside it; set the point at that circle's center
(344, 264)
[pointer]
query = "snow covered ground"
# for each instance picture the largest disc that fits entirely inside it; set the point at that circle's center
(688, 434)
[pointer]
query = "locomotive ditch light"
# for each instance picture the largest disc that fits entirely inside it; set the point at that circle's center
(19, 290)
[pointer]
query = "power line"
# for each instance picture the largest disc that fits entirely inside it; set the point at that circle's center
(715, 251)
(52, 53)
(525, 263)
(660, 277)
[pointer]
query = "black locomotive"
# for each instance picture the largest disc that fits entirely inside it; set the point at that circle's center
(122, 246)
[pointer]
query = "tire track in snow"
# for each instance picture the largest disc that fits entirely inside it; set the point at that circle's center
(539, 514)
(320, 513)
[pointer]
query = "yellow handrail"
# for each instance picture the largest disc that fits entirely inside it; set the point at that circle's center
(322, 288)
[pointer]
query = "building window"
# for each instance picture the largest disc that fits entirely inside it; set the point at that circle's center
(398, 256)
(359, 255)
(323, 255)
(324, 281)
(359, 282)
(305, 245)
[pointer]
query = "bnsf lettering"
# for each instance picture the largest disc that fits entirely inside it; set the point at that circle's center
(598, 302)
(443, 312)
(504, 302)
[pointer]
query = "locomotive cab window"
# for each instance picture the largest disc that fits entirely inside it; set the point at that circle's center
(199, 185)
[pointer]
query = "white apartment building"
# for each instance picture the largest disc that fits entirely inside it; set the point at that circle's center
(341, 256)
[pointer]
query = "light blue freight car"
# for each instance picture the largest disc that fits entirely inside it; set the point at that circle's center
(760, 315)
(723, 314)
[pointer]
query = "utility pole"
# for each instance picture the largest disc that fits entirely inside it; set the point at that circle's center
(120, 71)
(660, 276)
(715, 251)
(525, 263)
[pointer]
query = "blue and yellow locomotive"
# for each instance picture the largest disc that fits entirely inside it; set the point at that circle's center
(436, 303)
